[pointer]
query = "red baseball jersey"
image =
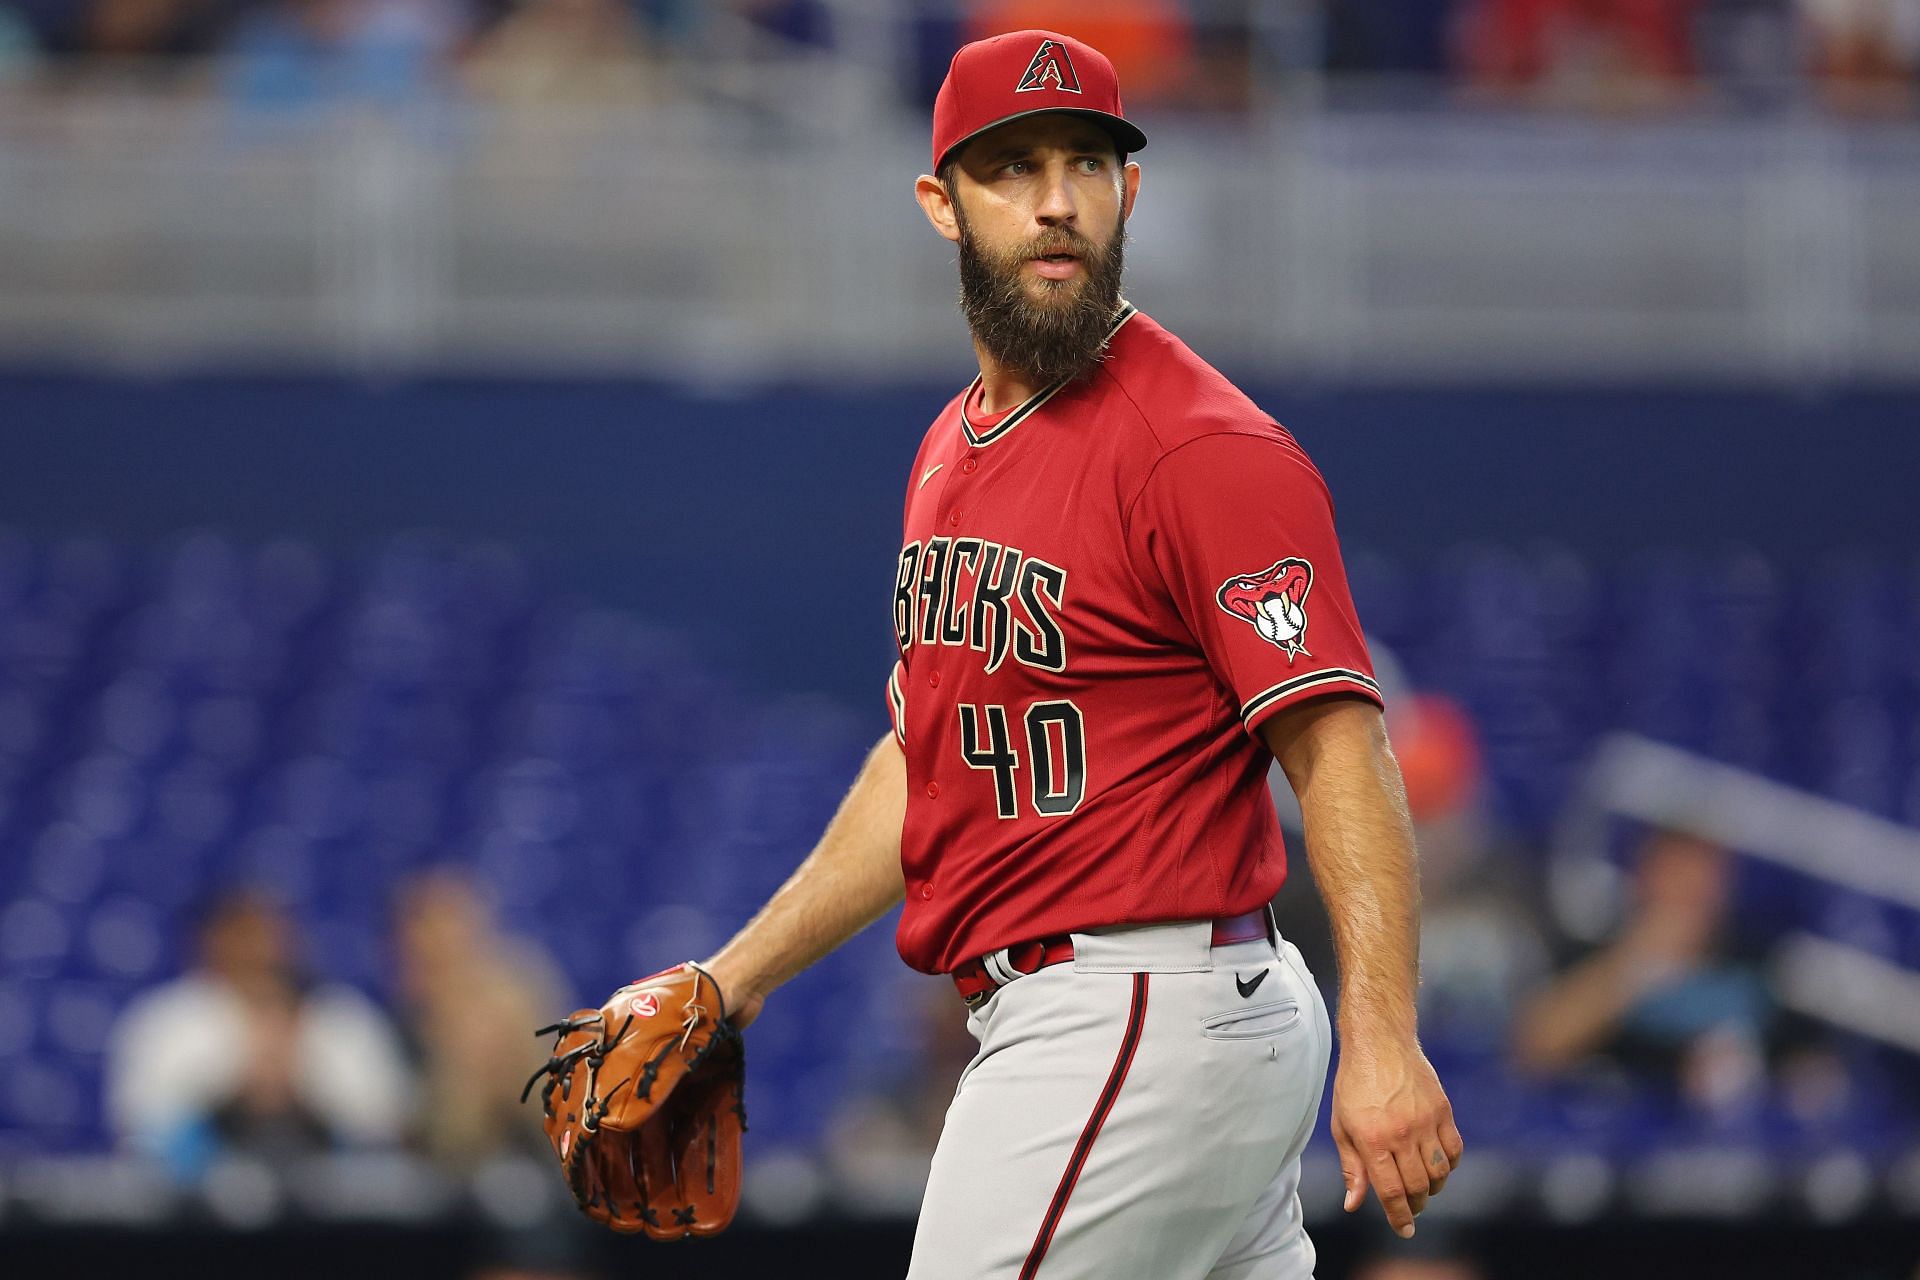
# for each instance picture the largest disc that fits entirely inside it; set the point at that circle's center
(1103, 592)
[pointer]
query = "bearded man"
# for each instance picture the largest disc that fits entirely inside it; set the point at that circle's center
(1119, 598)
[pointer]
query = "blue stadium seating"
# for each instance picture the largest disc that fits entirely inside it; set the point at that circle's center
(213, 713)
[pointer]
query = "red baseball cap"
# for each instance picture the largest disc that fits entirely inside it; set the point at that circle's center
(1024, 73)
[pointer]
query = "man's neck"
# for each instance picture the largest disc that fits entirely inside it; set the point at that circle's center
(1002, 387)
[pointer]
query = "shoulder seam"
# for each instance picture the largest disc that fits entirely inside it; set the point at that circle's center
(1126, 517)
(1145, 420)
(1160, 454)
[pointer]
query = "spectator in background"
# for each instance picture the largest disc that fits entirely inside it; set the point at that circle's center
(267, 1114)
(157, 28)
(1863, 53)
(302, 55)
(881, 1142)
(53, 27)
(19, 47)
(242, 1054)
(1593, 54)
(1385, 37)
(540, 1269)
(800, 22)
(1443, 1249)
(471, 998)
(551, 51)
(1480, 948)
(1425, 1268)
(1674, 1000)
(1150, 42)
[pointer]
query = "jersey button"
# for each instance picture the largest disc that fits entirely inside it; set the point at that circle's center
(933, 791)
(970, 466)
(954, 519)
(926, 891)
(933, 679)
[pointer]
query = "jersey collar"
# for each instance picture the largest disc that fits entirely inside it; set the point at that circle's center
(981, 436)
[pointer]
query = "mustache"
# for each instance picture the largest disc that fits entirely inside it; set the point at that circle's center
(1061, 240)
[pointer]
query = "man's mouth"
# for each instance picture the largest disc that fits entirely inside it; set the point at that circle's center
(1057, 266)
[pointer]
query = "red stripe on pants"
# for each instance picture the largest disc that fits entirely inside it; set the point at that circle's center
(1136, 1018)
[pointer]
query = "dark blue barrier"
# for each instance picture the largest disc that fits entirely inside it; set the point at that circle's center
(766, 525)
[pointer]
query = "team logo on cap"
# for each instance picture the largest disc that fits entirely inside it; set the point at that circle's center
(1275, 602)
(1050, 62)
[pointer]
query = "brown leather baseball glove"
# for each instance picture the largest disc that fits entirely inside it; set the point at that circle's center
(643, 1103)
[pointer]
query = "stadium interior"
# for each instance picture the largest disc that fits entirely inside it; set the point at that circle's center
(451, 455)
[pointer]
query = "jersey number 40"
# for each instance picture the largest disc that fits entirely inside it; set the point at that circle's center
(1056, 754)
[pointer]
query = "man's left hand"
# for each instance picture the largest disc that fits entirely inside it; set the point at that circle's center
(1393, 1125)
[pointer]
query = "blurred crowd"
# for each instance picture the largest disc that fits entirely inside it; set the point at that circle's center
(292, 856)
(250, 1052)
(1855, 55)
(1667, 1019)
(1669, 1008)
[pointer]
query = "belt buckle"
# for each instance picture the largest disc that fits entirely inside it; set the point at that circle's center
(1000, 967)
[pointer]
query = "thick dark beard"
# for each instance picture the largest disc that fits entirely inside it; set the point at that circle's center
(1048, 342)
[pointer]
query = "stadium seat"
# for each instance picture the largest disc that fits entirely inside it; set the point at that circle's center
(214, 713)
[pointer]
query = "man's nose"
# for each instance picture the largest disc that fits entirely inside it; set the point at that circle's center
(1057, 206)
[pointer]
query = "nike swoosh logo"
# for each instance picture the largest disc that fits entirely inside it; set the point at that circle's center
(1248, 988)
(928, 474)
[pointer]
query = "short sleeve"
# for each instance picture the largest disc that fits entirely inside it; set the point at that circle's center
(1238, 530)
(897, 701)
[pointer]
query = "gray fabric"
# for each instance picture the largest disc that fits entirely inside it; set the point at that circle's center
(1194, 1174)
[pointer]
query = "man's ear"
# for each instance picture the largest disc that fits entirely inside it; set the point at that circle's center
(1129, 188)
(937, 205)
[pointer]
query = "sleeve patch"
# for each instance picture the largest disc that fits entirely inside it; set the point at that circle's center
(1274, 603)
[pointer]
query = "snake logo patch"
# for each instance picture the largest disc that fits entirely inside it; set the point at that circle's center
(1274, 603)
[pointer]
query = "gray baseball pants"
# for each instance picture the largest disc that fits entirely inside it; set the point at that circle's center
(1132, 1114)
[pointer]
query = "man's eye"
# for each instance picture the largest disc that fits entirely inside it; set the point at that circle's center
(1017, 166)
(1091, 164)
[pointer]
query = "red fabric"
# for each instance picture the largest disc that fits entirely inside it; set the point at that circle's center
(1021, 72)
(1109, 564)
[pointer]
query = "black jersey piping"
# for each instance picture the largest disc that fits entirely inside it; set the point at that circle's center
(1301, 684)
(981, 438)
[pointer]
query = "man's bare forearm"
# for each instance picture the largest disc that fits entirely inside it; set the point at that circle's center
(1391, 1121)
(1360, 844)
(851, 879)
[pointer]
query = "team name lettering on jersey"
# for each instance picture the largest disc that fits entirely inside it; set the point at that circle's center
(977, 594)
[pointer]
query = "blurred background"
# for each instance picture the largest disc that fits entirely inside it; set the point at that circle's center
(451, 455)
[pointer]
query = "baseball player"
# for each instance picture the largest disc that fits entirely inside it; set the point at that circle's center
(1119, 598)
